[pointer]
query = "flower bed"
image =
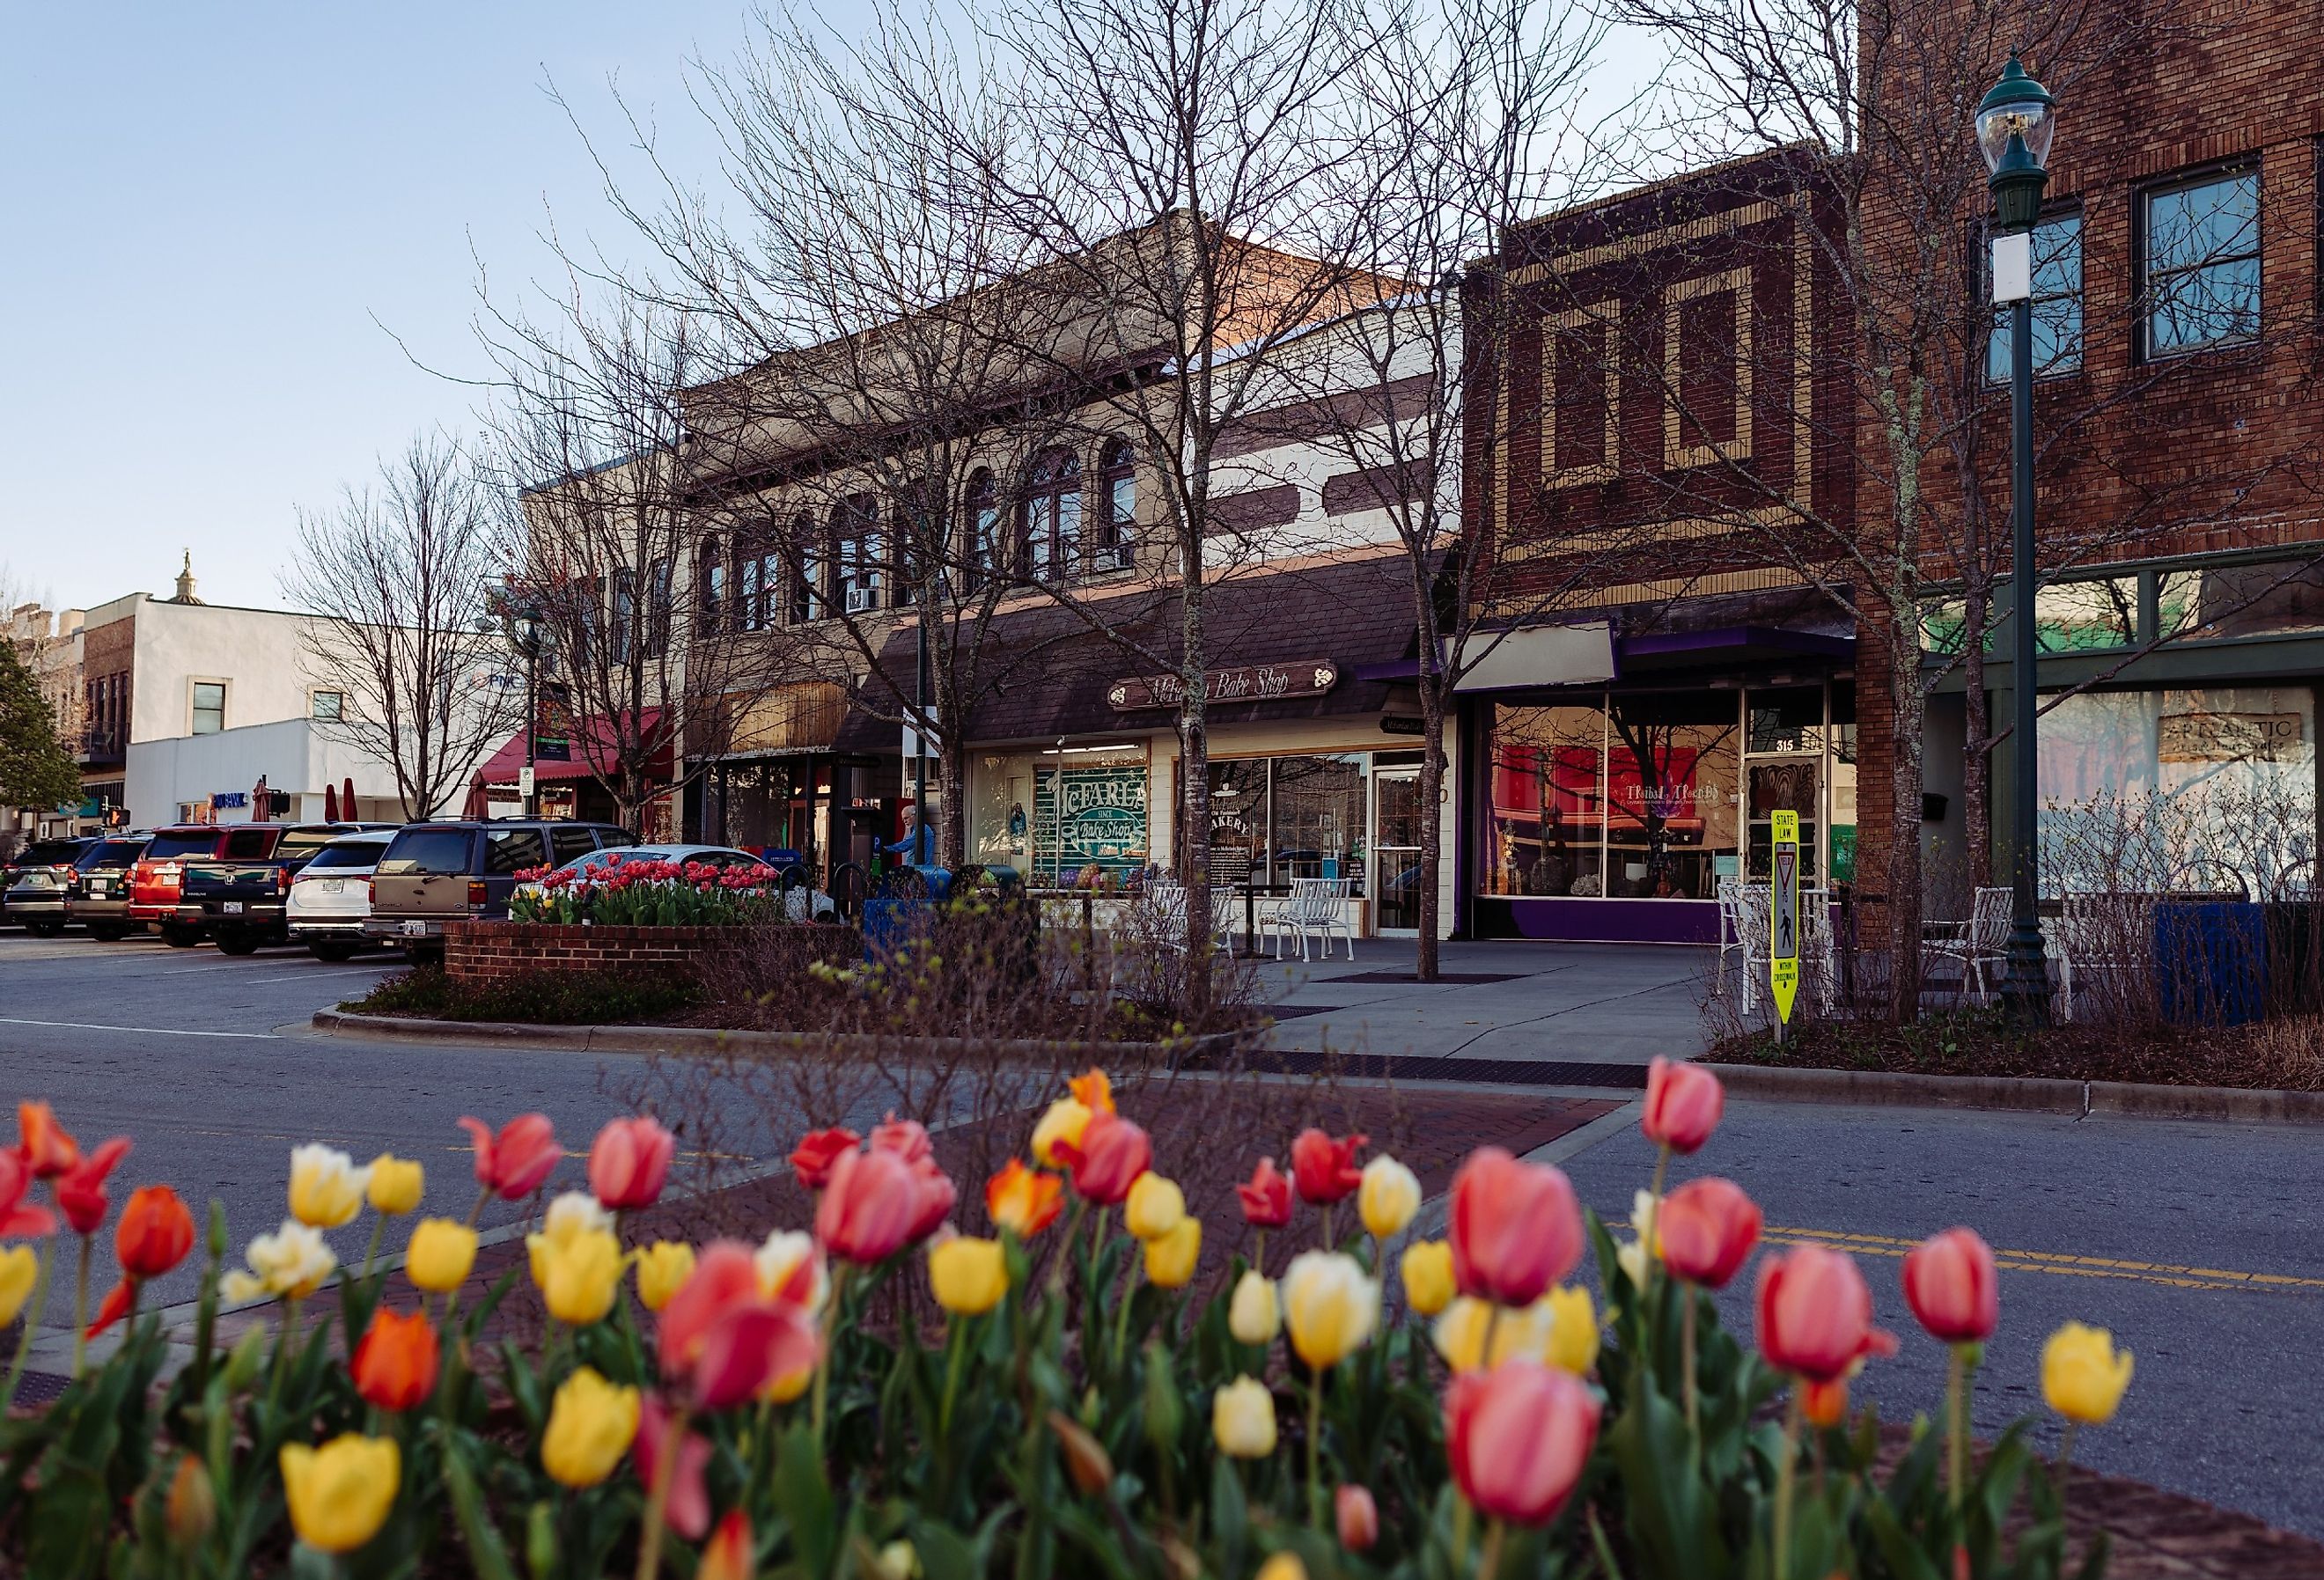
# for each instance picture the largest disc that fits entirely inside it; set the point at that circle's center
(498, 951)
(878, 1394)
(633, 891)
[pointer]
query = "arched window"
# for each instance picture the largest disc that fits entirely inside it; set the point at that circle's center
(807, 590)
(1117, 487)
(982, 554)
(1051, 528)
(759, 579)
(710, 589)
(862, 553)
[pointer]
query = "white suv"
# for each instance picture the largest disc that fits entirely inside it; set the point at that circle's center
(330, 896)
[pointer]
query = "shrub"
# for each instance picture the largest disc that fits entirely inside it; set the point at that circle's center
(562, 998)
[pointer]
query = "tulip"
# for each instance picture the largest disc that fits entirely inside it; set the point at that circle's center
(1061, 1124)
(1517, 1437)
(1170, 1260)
(1329, 1306)
(1107, 1160)
(20, 1270)
(725, 1341)
(80, 1189)
(1573, 1330)
(1515, 1228)
(898, 1560)
(46, 1148)
(1825, 1404)
(153, 1237)
(1951, 1284)
(791, 1271)
(326, 1189)
(629, 1163)
(1683, 1103)
(685, 1507)
(340, 1493)
(868, 1208)
(1325, 1170)
(662, 1267)
(1242, 1420)
(1706, 1229)
(1458, 1334)
(16, 1217)
(1427, 1269)
(969, 1276)
(909, 1139)
(1816, 1314)
(2082, 1375)
(290, 1263)
(1357, 1517)
(932, 1201)
(1155, 1208)
(1092, 1090)
(1388, 1197)
(189, 1513)
(591, 1425)
(812, 1159)
(1282, 1566)
(514, 1163)
(395, 1361)
(397, 1185)
(574, 1211)
(1267, 1200)
(1087, 1464)
(579, 1275)
(440, 1254)
(1023, 1201)
(1254, 1316)
(733, 1553)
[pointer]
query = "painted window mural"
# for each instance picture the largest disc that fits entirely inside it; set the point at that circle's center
(1088, 816)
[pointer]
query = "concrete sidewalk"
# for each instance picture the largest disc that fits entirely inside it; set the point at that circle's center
(1505, 1000)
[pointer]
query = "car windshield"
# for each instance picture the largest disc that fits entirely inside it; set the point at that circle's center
(428, 852)
(175, 842)
(361, 853)
(113, 853)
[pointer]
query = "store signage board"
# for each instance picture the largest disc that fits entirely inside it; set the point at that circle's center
(1784, 923)
(1088, 816)
(1242, 683)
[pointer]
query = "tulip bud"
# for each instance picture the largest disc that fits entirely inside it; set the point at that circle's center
(663, 1269)
(898, 1560)
(219, 1241)
(1329, 1306)
(192, 1508)
(2083, 1376)
(1283, 1565)
(1254, 1315)
(396, 1185)
(1242, 1420)
(241, 1363)
(1357, 1516)
(1170, 1260)
(1154, 1207)
(969, 1276)
(541, 1540)
(1085, 1457)
(1427, 1267)
(20, 1270)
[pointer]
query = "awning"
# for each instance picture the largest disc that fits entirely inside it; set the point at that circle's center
(1540, 655)
(594, 748)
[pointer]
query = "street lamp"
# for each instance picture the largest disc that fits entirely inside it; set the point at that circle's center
(2014, 126)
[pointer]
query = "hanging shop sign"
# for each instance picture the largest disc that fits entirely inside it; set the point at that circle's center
(1241, 683)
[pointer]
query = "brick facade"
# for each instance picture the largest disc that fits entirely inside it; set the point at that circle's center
(495, 951)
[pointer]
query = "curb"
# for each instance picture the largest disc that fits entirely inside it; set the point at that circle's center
(2023, 1094)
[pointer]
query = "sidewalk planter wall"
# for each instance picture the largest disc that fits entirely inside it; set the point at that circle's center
(493, 951)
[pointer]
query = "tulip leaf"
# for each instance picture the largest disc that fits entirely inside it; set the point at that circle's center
(1230, 1514)
(803, 1495)
(943, 1554)
(63, 1543)
(1898, 1551)
(486, 1550)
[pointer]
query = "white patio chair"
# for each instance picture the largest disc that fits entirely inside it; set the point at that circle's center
(1973, 945)
(1816, 946)
(1318, 909)
(1162, 908)
(2097, 935)
(1743, 922)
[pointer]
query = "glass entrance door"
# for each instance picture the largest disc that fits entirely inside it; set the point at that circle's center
(1396, 851)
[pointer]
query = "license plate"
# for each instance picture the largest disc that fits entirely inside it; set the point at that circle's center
(333, 885)
(415, 929)
(96, 885)
(233, 908)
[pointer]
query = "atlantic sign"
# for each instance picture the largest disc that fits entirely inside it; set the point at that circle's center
(1242, 683)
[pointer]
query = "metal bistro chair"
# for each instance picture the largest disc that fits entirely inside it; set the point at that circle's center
(1973, 945)
(1317, 909)
(1163, 904)
(1743, 931)
(2097, 934)
(1816, 944)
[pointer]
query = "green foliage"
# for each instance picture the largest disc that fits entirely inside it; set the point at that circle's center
(36, 770)
(557, 998)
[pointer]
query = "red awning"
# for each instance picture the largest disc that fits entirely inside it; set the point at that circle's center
(595, 748)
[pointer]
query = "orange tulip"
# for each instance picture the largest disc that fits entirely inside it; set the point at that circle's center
(1515, 1228)
(395, 1361)
(154, 1235)
(80, 1189)
(629, 1162)
(1325, 1170)
(726, 1342)
(1024, 1201)
(1518, 1437)
(1816, 1314)
(733, 1553)
(1707, 1228)
(1825, 1404)
(1683, 1103)
(1951, 1284)
(47, 1147)
(515, 1162)
(868, 1208)
(16, 1218)
(1106, 1163)
(1092, 1090)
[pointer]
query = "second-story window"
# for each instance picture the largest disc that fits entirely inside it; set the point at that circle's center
(1117, 487)
(625, 613)
(807, 590)
(863, 552)
(1051, 522)
(660, 594)
(2057, 304)
(209, 706)
(982, 554)
(710, 590)
(758, 578)
(2199, 254)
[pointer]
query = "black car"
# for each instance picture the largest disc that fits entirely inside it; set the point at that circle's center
(98, 895)
(35, 898)
(242, 888)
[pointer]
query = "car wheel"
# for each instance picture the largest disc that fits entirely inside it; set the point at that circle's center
(237, 941)
(337, 951)
(45, 929)
(181, 938)
(108, 934)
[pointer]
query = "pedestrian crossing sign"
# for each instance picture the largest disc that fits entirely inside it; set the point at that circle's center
(1784, 923)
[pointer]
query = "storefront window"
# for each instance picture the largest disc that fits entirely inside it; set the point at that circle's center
(1239, 821)
(1670, 793)
(1319, 818)
(1548, 813)
(1088, 816)
(1782, 772)
(1001, 811)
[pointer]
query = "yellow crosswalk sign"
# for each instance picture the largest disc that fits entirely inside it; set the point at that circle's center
(1784, 923)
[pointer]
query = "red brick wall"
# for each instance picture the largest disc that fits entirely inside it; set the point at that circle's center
(495, 951)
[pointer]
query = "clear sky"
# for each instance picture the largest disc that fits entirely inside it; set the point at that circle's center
(216, 213)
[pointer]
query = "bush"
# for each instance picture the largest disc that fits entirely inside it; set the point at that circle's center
(558, 998)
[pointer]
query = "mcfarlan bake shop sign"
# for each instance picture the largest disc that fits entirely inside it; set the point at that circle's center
(1243, 683)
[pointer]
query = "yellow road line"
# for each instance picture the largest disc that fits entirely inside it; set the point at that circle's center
(2166, 1274)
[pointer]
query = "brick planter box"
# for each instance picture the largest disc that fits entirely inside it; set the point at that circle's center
(495, 951)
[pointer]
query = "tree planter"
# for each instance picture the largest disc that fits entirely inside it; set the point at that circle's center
(478, 952)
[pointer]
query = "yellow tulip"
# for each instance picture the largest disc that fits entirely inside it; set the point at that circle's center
(20, 1270)
(1427, 1267)
(1170, 1260)
(1573, 1334)
(1242, 1420)
(439, 1255)
(591, 1423)
(340, 1493)
(326, 1189)
(397, 1184)
(663, 1269)
(1254, 1315)
(1329, 1306)
(1155, 1207)
(898, 1560)
(968, 1275)
(290, 1263)
(2083, 1375)
(1388, 1197)
(579, 1276)
(1065, 1119)
(1283, 1565)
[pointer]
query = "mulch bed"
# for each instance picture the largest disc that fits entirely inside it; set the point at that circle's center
(2286, 1054)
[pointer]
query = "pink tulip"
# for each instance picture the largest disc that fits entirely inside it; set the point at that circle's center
(1518, 1436)
(1515, 1228)
(687, 1511)
(1951, 1284)
(724, 1341)
(868, 1207)
(514, 1163)
(1707, 1228)
(906, 1138)
(1816, 1314)
(630, 1163)
(1112, 1153)
(1357, 1516)
(1683, 1103)
(936, 1196)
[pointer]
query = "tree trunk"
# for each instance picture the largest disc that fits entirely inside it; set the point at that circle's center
(1426, 963)
(1977, 743)
(951, 815)
(1194, 798)
(1909, 717)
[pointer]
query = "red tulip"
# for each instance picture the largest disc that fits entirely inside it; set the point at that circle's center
(630, 1163)
(1951, 1284)
(1114, 1151)
(1515, 1228)
(870, 1206)
(733, 1553)
(16, 1218)
(935, 1199)
(812, 1159)
(906, 1138)
(395, 1361)
(688, 1509)
(1707, 1228)
(1357, 1516)
(1267, 1200)
(1518, 1436)
(1825, 1404)
(154, 1235)
(723, 1339)
(1816, 1314)
(1683, 1103)
(513, 1163)
(1325, 1170)
(80, 1189)
(47, 1147)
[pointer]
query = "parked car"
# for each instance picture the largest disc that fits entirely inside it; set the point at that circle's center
(242, 887)
(33, 897)
(595, 865)
(155, 883)
(330, 896)
(98, 897)
(434, 873)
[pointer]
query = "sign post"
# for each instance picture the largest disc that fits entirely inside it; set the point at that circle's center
(1783, 922)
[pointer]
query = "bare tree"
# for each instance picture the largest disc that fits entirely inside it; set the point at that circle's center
(396, 575)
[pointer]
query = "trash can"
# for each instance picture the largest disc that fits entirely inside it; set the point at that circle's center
(2210, 961)
(904, 908)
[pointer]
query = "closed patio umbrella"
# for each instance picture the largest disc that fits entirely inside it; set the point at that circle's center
(330, 803)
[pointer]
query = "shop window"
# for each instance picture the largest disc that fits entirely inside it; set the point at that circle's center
(2057, 304)
(2218, 603)
(1239, 821)
(1118, 484)
(1782, 772)
(1050, 526)
(1707, 363)
(1545, 831)
(1319, 818)
(1087, 818)
(209, 707)
(1577, 364)
(2199, 260)
(1670, 789)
